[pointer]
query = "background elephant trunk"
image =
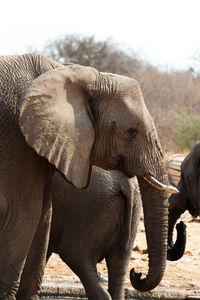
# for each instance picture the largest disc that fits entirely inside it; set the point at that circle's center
(176, 250)
(155, 206)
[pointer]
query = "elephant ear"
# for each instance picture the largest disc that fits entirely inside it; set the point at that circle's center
(55, 122)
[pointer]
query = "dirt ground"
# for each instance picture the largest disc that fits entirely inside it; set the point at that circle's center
(186, 269)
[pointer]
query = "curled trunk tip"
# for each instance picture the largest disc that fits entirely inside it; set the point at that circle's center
(143, 285)
(176, 251)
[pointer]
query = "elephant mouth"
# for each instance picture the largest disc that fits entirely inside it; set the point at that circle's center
(149, 178)
(194, 213)
(160, 186)
(193, 210)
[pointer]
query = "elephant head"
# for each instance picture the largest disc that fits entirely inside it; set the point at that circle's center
(75, 117)
(187, 199)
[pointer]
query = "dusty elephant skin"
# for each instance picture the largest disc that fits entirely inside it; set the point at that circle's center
(187, 199)
(69, 118)
(98, 222)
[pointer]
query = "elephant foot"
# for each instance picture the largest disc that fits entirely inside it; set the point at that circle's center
(24, 297)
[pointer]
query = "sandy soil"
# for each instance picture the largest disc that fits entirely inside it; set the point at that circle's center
(186, 269)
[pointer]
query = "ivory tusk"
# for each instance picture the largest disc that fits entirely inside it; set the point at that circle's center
(160, 186)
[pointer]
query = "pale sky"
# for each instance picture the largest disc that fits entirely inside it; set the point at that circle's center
(165, 32)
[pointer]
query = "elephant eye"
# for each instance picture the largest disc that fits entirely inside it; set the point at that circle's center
(132, 132)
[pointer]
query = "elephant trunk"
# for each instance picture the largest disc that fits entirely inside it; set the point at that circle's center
(176, 250)
(155, 206)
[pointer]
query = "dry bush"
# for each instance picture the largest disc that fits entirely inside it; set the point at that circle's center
(165, 93)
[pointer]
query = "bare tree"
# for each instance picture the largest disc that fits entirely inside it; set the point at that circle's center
(103, 55)
(195, 65)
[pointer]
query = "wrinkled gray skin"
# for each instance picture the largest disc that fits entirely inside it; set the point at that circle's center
(96, 223)
(187, 199)
(69, 118)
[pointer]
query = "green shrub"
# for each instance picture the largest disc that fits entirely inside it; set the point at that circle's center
(187, 128)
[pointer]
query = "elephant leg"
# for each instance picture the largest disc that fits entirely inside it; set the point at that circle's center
(31, 278)
(117, 269)
(16, 233)
(118, 259)
(90, 280)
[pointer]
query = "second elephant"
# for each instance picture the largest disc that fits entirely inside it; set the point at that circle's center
(187, 199)
(96, 223)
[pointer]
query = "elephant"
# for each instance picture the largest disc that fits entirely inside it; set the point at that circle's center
(96, 223)
(187, 199)
(68, 118)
